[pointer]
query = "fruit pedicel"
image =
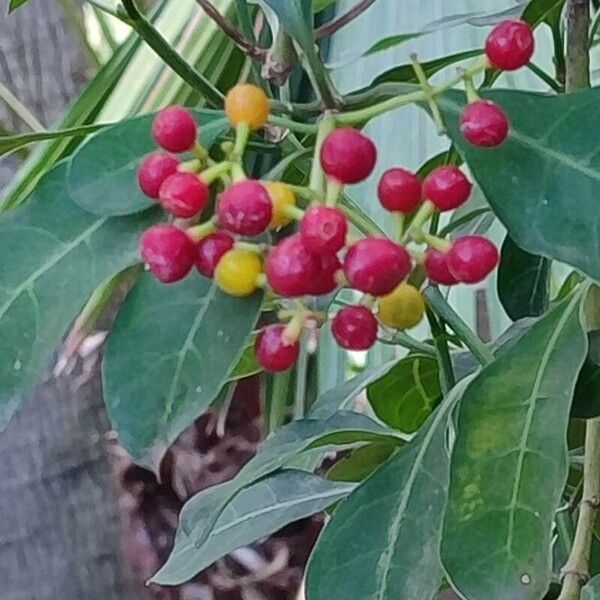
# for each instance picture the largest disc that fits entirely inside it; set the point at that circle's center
(319, 257)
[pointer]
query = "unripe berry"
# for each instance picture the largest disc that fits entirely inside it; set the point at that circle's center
(154, 169)
(323, 230)
(291, 270)
(237, 272)
(183, 195)
(274, 352)
(376, 265)
(245, 208)
(210, 250)
(168, 251)
(247, 103)
(447, 187)
(174, 129)
(436, 267)
(510, 45)
(400, 190)
(403, 308)
(484, 123)
(282, 198)
(348, 156)
(326, 282)
(472, 258)
(354, 328)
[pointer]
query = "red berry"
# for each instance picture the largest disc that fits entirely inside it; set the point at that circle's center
(273, 351)
(400, 190)
(376, 265)
(323, 230)
(154, 169)
(510, 45)
(436, 267)
(175, 129)
(184, 195)
(168, 251)
(291, 270)
(209, 251)
(245, 208)
(348, 155)
(447, 187)
(355, 328)
(484, 123)
(472, 258)
(325, 283)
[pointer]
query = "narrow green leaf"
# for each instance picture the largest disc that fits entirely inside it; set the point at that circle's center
(548, 205)
(509, 463)
(102, 174)
(361, 462)
(383, 541)
(538, 11)
(257, 511)
(247, 364)
(56, 255)
(407, 394)
(14, 4)
(169, 353)
(523, 282)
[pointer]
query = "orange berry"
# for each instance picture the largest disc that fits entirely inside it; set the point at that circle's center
(247, 103)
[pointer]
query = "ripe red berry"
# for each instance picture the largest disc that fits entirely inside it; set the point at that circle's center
(174, 129)
(355, 328)
(447, 187)
(484, 123)
(245, 208)
(184, 195)
(325, 283)
(400, 190)
(168, 251)
(472, 258)
(510, 45)
(209, 251)
(323, 230)
(436, 267)
(348, 155)
(376, 265)
(273, 351)
(154, 169)
(291, 270)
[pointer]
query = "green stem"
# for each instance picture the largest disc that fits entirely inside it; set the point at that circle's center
(306, 193)
(161, 46)
(317, 177)
(301, 375)
(215, 172)
(403, 339)
(441, 307)
(447, 379)
(435, 242)
(359, 219)
(292, 125)
(334, 189)
(20, 109)
(429, 93)
(415, 231)
(242, 135)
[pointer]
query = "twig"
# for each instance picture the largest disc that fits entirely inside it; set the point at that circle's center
(245, 45)
(343, 20)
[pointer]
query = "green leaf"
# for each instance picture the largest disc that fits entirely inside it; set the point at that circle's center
(247, 365)
(510, 462)
(591, 590)
(523, 282)
(407, 394)
(383, 540)
(586, 400)
(296, 17)
(14, 4)
(55, 256)
(257, 511)
(549, 203)
(474, 217)
(10, 143)
(538, 11)
(169, 353)
(102, 174)
(361, 462)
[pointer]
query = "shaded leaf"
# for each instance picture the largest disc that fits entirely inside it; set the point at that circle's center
(591, 590)
(169, 353)
(102, 173)
(586, 400)
(474, 217)
(538, 11)
(509, 463)
(523, 282)
(59, 254)
(247, 364)
(257, 511)
(360, 463)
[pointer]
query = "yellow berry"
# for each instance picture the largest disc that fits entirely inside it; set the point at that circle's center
(237, 272)
(247, 103)
(282, 197)
(403, 308)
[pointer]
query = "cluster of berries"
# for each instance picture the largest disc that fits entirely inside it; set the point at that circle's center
(319, 256)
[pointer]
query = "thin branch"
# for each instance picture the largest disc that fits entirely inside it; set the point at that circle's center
(343, 20)
(232, 31)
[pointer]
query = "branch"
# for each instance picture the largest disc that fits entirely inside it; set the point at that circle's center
(233, 32)
(343, 20)
(578, 57)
